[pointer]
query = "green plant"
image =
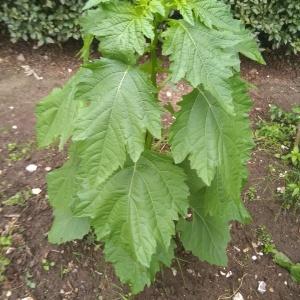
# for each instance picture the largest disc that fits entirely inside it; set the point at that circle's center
(279, 258)
(134, 198)
(5, 242)
(277, 21)
(44, 21)
(291, 193)
(19, 198)
(251, 193)
(47, 265)
(18, 152)
(278, 133)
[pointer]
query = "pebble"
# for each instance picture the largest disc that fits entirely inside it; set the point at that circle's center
(169, 94)
(31, 168)
(21, 57)
(36, 191)
(8, 294)
(14, 127)
(48, 169)
(262, 287)
(11, 107)
(254, 257)
(238, 296)
(174, 271)
(27, 298)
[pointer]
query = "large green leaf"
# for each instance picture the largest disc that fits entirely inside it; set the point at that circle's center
(122, 109)
(63, 186)
(200, 55)
(206, 236)
(134, 213)
(57, 112)
(205, 56)
(217, 144)
(121, 28)
(216, 14)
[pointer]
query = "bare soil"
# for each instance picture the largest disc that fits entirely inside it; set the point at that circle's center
(80, 271)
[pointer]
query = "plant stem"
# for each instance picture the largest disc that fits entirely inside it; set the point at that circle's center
(153, 58)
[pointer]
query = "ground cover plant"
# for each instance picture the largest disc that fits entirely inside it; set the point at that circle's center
(280, 135)
(135, 199)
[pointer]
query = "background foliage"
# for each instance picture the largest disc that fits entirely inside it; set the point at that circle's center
(44, 21)
(48, 21)
(278, 21)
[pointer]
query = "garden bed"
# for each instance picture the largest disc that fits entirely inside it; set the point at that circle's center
(77, 270)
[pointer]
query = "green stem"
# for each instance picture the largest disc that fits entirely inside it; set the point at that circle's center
(153, 58)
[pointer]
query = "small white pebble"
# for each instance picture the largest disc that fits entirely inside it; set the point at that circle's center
(279, 274)
(14, 127)
(8, 294)
(262, 287)
(48, 169)
(229, 274)
(238, 296)
(36, 191)
(11, 107)
(174, 271)
(260, 253)
(237, 249)
(70, 70)
(169, 94)
(254, 257)
(285, 283)
(31, 168)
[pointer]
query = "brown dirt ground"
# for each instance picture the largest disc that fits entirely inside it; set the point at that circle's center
(88, 277)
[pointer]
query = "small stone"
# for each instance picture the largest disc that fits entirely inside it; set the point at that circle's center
(174, 271)
(271, 290)
(46, 57)
(48, 169)
(31, 168)
(229, 274)
(262, 287)
(238, 296)
(285, 283)
(237, 249)
(169, 94)
(36, 191)
(8, 294)
(14, 127)
(21, 57)
(11, 107)
(254, 257)
(70, 70)
(279, 274)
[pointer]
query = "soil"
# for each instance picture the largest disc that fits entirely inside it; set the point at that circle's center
(80, 271)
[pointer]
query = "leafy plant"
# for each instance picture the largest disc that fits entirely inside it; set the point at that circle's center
(5, 242)
(278, 133)
(114, 181)
(44, 21)
(19, 198)
(277, 21)
(279, 258)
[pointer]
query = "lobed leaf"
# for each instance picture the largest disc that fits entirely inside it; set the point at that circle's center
(56, 113)
(122, 109)
(121, 28)
(134, 213)
(63, 186)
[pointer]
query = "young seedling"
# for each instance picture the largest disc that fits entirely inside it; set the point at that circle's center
(115, 181)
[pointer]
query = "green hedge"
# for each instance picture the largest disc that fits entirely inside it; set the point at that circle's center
(276, 20)
(48, 21)
(45, 21)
